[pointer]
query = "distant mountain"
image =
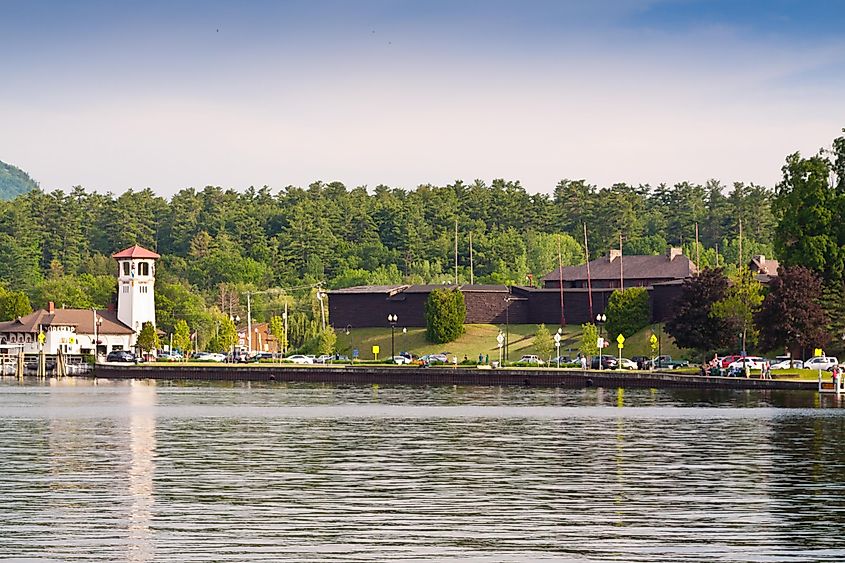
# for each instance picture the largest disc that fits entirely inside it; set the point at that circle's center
(14, 181)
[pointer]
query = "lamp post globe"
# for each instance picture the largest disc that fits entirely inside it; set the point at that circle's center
(391, 318)
(601, 318)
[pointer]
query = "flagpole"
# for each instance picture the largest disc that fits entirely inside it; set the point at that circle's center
(589, 281)
(560, 267)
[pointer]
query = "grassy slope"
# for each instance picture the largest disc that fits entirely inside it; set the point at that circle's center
(481, 339)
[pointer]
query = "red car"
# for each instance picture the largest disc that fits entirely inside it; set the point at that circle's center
(728, 360)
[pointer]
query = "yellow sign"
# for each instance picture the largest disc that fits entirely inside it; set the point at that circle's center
(376, 351)
(620, 339)
(41, 337)
(653, 339)
(818, 352)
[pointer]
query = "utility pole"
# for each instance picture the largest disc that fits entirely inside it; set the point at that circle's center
(697, 256)
(589, 281)
(621, 272)
(560, 269)
(456, 252)
(248, 324)
(740, 243)
(285, 318)
(471, 273)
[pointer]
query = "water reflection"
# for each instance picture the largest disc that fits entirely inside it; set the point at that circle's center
(231, 472)
(142, 426)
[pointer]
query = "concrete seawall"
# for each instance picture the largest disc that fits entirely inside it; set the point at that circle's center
(388, 375)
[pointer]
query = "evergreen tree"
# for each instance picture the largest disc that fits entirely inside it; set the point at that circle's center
(627, 311)
(445, 312)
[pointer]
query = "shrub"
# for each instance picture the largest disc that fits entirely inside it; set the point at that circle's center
(627, 312)
(445, 313)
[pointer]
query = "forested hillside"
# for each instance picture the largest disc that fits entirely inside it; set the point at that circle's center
(14, 181)
(217, 244)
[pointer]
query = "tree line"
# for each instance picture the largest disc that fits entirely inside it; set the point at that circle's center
(283, 246)
(803, 308)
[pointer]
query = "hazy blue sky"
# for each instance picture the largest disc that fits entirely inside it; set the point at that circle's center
(113, 95)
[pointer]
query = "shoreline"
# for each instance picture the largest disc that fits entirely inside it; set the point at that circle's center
(403, 375)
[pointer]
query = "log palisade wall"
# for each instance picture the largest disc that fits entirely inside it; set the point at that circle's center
(487, 305)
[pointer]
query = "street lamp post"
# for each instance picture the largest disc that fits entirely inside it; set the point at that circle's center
(557, 344)
(98, 320)
(601, 318)
(392, 320)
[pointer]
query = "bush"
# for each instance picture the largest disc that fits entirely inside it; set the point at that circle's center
(627, 312)
(445, 313)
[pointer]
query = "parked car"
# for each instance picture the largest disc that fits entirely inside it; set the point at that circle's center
(431, 359)
(212, 357)
(169, 357)
(666, 362)
(531, 359)
(627, 364)
(607, 362)
(643, 362)
(564, 360)
(121, 356)
(323, 359)
(258, 356)
(728, 360)
(784, 364)
(401, 360)
(753, 362)
(300, 359)
(821, 362)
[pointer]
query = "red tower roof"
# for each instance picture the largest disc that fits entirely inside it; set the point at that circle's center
(136, 252)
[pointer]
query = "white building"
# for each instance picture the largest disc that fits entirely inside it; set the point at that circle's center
(135, 287)
(74, 331)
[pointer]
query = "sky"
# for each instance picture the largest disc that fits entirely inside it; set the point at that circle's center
(113, 95)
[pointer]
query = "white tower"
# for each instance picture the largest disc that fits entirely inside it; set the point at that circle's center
(135, 287)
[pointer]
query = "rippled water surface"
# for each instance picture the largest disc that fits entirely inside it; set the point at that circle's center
(144, 471)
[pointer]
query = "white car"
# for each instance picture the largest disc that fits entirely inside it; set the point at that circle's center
(216, 357)
(531, 359)
(784, 364)
(324, 359)
(400, 360)
(821, 362)
(300, 359)
(753, 362)
(627, 364)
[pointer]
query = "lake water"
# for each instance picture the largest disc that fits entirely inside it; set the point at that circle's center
(145, 471)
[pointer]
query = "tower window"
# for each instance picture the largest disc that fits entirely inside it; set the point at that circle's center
(126, 268)
(126, 288)
(144, 269)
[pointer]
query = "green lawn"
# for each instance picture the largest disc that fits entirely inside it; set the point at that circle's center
(481, 339)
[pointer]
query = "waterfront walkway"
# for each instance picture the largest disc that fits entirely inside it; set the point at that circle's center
(404, 375)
